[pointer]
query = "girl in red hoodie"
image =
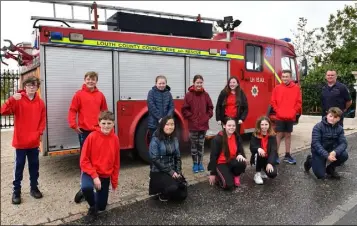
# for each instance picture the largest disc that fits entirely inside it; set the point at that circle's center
(30, 122)
(197, 109)
(264, 149)
(227, 160)
(100, 160)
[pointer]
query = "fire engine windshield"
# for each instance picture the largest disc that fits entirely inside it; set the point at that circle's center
(288, 63)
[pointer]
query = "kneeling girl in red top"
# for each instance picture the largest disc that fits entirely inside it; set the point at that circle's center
(227, 160)
(263, 147)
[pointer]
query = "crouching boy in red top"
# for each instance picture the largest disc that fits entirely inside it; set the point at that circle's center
(30, 121)
(100, 161)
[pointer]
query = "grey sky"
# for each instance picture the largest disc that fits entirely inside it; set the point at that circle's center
(268, 18)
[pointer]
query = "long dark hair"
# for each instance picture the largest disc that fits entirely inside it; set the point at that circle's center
(227, 89)
(160, 130)
(225, 138)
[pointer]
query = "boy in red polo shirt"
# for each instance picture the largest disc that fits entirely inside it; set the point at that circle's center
(100, 161)
(30, 121)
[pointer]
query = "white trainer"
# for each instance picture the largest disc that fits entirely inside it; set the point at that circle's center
(263, 175)
(258, 178)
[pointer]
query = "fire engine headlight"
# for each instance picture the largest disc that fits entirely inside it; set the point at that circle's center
(76, 37)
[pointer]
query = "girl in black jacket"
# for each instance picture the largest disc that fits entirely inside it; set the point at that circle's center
(166, 177)
(264, 149)
(232, 103)
(227, 160)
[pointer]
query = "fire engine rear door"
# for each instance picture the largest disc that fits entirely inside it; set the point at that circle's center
(64, 74)
(215, 75)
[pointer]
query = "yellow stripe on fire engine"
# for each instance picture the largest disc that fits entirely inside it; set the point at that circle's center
(133, 46)
(272, 70)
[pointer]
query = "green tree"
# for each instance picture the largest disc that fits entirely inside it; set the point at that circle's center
(340, 38)
(338, 51)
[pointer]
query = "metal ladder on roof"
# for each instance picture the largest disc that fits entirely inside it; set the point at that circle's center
(95, 6)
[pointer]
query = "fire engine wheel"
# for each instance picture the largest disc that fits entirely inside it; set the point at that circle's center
(141, 140)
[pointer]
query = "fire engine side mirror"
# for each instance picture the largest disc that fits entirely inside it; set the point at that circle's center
(304, 67)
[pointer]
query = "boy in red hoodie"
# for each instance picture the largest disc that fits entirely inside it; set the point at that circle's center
(87, 103)
(286, 101)
(30, 121)
(100, 160)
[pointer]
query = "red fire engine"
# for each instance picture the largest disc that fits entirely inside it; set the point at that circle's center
(136, 49)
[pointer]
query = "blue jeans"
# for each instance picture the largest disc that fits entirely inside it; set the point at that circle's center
(99, 199)
(318, 163)
(33, 164)
(82, 137)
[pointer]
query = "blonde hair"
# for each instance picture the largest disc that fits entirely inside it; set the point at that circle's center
(106, 115)
(160, 77)
(91, 74)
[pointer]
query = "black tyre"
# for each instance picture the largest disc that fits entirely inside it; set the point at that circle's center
(141, 140)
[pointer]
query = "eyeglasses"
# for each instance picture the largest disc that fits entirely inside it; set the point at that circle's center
(31, 86)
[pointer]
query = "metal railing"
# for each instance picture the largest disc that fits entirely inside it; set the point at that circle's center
(311, 98)
(9, 80)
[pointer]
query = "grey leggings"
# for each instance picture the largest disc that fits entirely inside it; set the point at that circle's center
(197, 145)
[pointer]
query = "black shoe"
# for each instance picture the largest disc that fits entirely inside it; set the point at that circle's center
(332, 173)
(79, 196)
(16, 198)
(36, 193)
(91, 215)
(163, 198)
(307, 163)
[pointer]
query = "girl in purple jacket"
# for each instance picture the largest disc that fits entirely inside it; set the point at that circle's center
(197, 109)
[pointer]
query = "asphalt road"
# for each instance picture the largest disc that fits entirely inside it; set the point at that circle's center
(294, 197)
(350, 218)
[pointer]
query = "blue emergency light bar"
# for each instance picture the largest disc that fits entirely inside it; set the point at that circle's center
(223, 52)
(286, 39)
(56, 36)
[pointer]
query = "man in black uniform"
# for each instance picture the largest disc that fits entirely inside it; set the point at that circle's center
(334, 94)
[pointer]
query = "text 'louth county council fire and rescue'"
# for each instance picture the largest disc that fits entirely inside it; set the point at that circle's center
(147, 47)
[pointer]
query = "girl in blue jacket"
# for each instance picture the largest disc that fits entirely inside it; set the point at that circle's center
(160, 103)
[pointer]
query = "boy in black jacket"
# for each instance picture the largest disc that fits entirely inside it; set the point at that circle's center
(328, 144)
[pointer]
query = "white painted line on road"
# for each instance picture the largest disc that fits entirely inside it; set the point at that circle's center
(340, 211)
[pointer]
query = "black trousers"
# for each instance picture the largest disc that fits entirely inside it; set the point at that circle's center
(227, 172)
(163, 183)
(262, 164)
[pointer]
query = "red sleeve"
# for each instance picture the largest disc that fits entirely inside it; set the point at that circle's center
(9, 107)
(298, 104)
(104, 106)
(115, 175)
(72, 113)
(42, 124)
(273, 100)
(85, 160)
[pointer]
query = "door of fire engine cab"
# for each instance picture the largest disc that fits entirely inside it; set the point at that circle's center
(257, 80)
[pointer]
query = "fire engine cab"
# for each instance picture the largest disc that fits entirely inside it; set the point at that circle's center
(133, 51)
